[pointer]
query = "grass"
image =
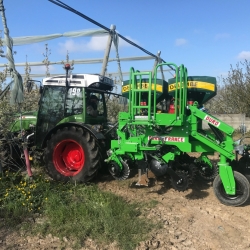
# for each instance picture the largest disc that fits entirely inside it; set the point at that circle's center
(73, 211)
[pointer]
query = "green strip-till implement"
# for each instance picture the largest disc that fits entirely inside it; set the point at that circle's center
(164, 124)
(162, 127)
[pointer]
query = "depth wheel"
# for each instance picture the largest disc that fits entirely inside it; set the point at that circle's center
(206, 173)
(117, 172)
(72, 154)
(191, 169)
(242, 190)
(184, 184)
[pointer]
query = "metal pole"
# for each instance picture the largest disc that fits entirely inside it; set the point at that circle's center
(157, 61)
(107, 51)
(17, 91)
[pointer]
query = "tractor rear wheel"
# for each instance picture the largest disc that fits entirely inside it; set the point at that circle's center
(72, 154)
(241, 194)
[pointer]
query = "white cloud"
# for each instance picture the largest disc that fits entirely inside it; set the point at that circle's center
(96, 43)
(244, 55)
(180, 42)
(222, 36)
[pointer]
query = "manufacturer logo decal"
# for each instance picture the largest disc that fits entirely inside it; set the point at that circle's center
(211, 120)
(167, 138)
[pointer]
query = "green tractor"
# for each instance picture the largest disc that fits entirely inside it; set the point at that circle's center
(70, 140)
(163, 126)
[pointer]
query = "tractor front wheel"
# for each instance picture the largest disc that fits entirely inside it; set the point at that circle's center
(72, 154)
(241, 194)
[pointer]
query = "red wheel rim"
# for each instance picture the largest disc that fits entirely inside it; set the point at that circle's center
(68, 157)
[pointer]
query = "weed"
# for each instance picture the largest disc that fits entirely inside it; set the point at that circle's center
(73, 210)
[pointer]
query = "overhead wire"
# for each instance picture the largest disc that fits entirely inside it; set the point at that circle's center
(67, 7)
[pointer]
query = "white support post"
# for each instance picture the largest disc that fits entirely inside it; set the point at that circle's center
(107, 51)
(157, 61)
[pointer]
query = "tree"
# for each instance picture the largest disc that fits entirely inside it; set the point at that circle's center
(46, 59)
(233, 91)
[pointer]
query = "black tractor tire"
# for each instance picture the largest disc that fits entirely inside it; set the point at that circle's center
(242, 190)
(72, 154)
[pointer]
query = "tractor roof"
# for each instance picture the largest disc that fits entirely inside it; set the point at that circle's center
(81, 80)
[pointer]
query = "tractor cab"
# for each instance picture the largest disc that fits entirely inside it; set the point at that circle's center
(66, 99)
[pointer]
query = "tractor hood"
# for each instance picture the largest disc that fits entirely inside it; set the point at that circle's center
(24, 122)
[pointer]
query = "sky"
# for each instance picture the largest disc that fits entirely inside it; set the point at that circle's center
(206, 36)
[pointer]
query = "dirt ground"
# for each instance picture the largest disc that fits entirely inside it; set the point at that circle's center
(193, 219)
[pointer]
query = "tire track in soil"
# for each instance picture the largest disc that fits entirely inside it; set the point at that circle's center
(193, 219)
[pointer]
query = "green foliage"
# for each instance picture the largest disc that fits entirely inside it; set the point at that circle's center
(19, 196)
(75, 211)
(9, 112)
(85, 211)
(114, 107)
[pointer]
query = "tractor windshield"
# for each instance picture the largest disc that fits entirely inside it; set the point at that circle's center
(56, 103)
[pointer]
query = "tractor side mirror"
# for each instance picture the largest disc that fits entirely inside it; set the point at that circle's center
(41, 89)
(30, 85)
